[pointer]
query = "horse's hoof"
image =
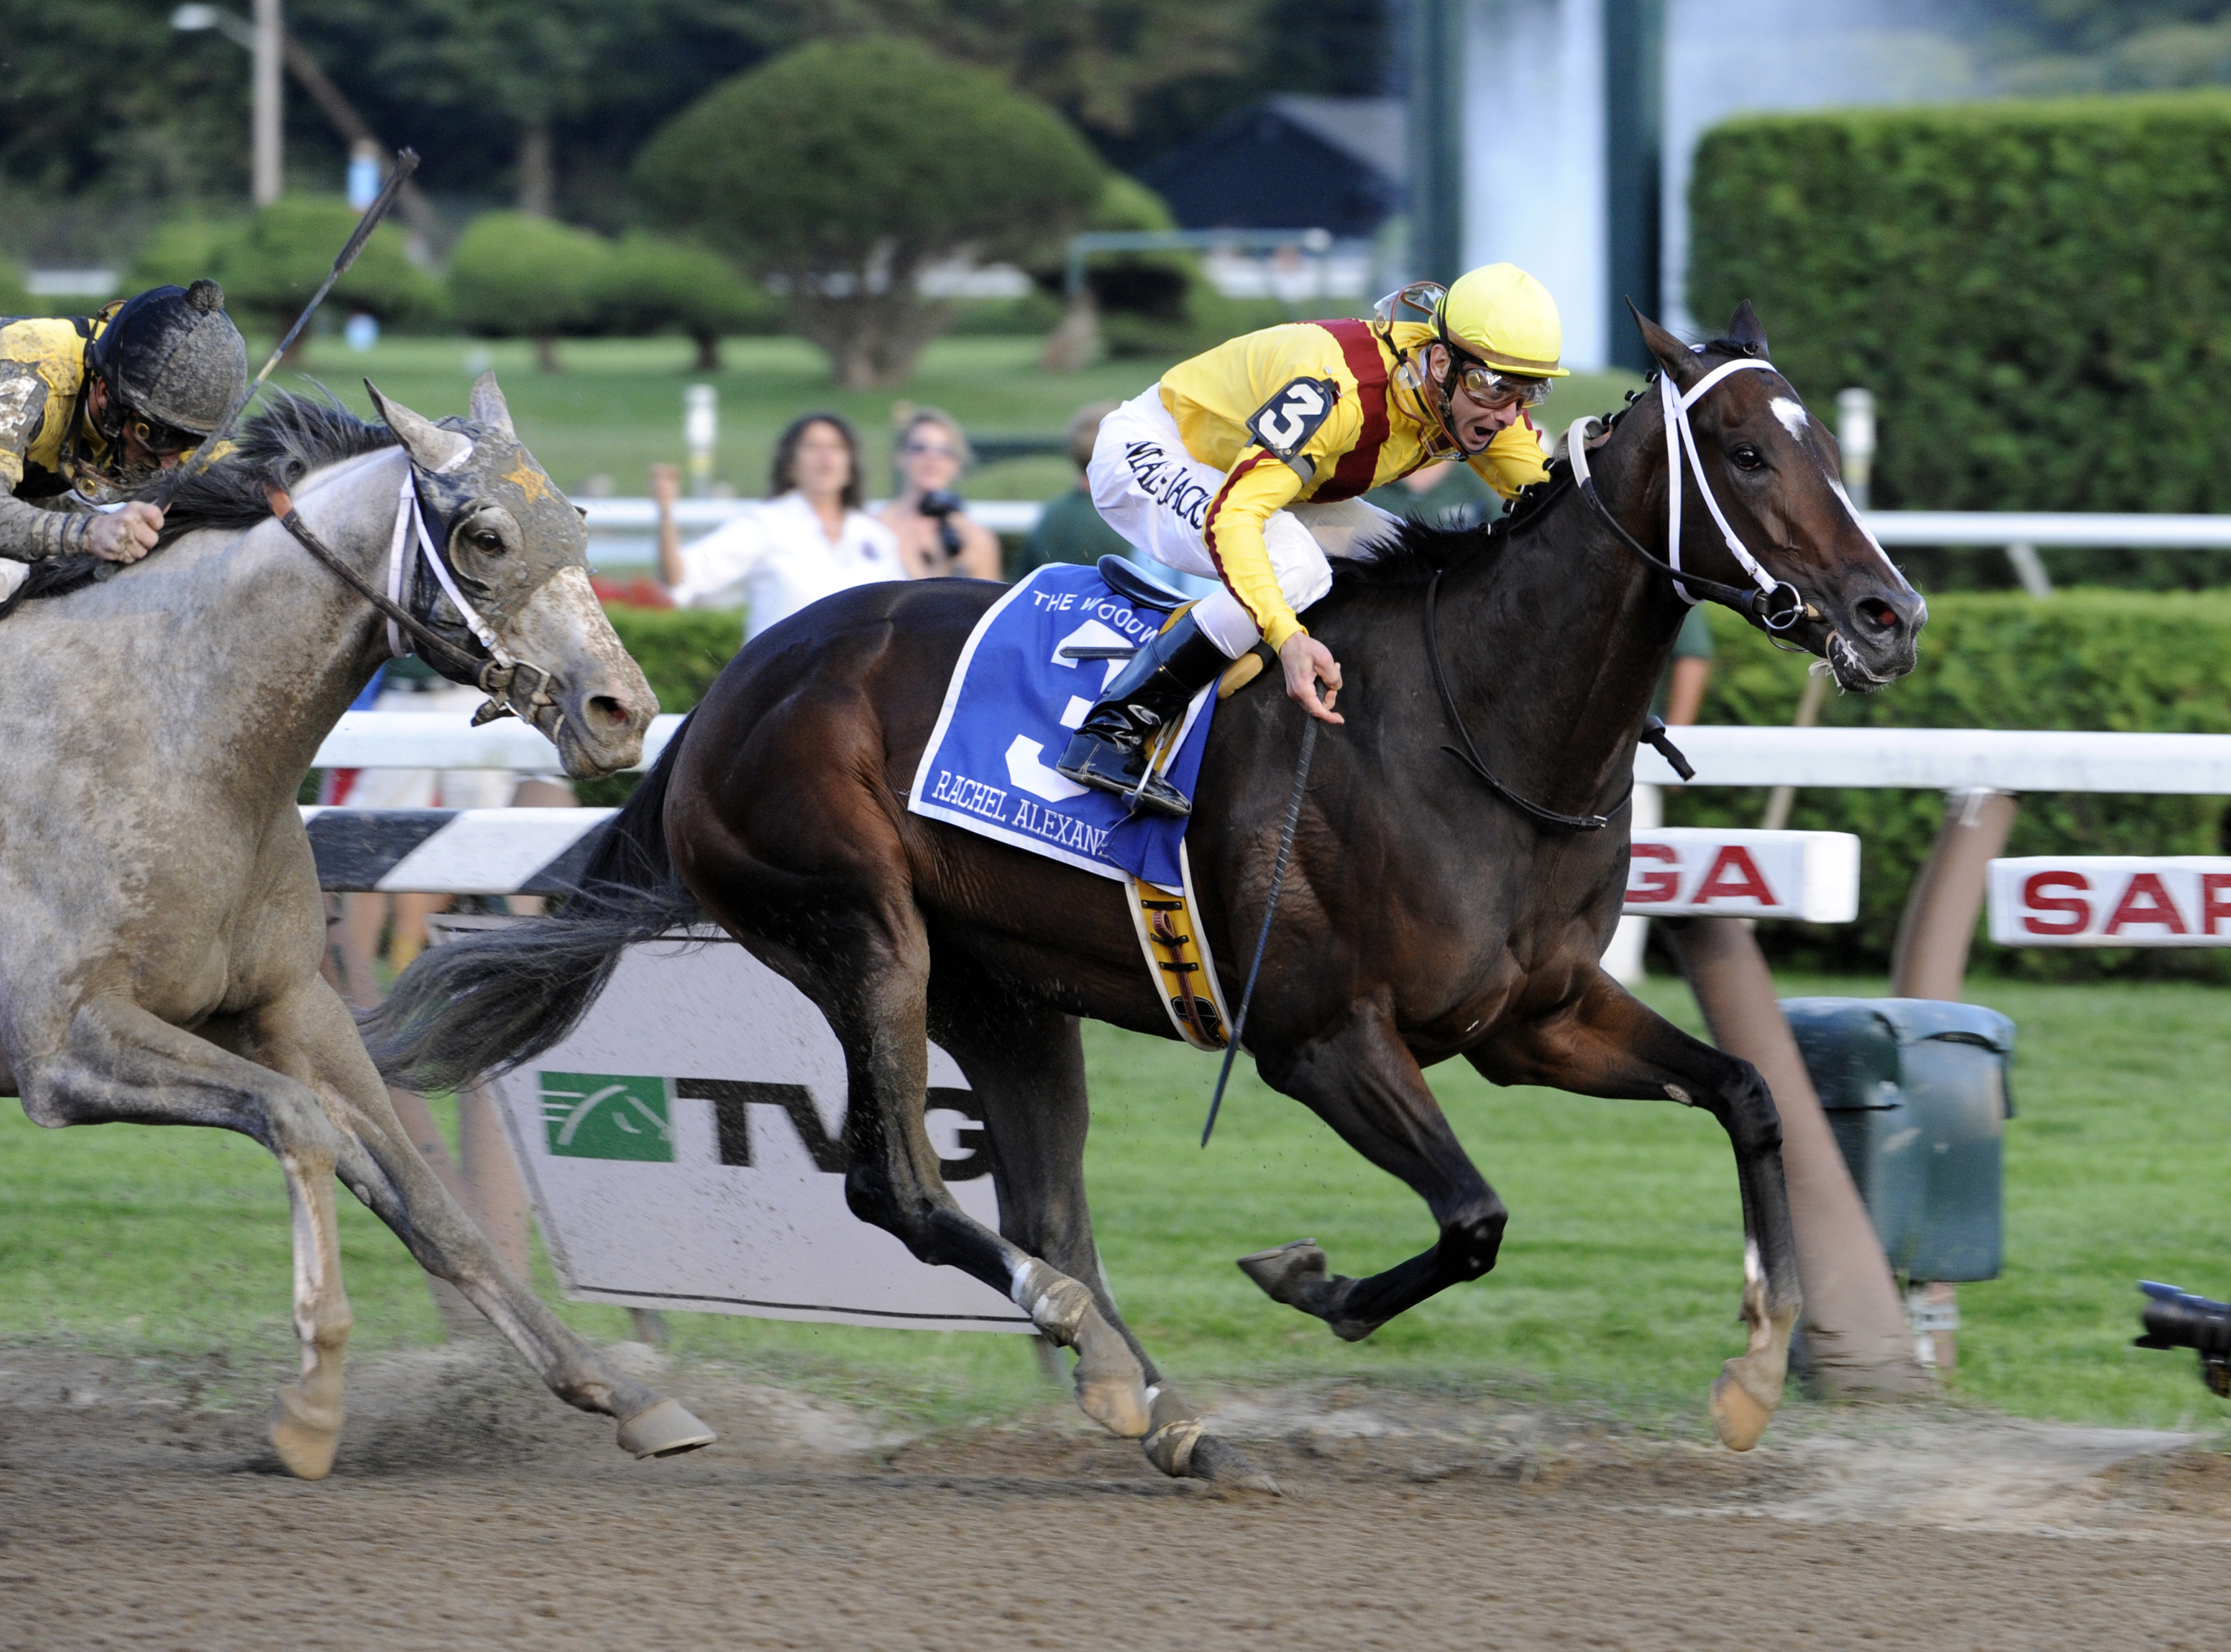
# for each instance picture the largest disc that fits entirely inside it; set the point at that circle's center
(1112, 1388)
(663, 1428)
(1287, 1272)
(1738, 1417)
(1184, 1451)
(304, 1433)
(1114, 1398)
(1225, 1464)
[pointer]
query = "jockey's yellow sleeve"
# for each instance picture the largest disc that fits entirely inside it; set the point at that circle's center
(1316, 411)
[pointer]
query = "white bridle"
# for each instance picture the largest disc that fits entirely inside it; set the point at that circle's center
(1681, 439)
(410, 526)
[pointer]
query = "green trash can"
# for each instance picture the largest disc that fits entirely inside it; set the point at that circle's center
(1916, 1091)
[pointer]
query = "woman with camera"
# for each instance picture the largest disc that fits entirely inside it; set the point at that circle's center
(937, 535)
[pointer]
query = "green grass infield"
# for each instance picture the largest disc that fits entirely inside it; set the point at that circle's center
(1616, 1291)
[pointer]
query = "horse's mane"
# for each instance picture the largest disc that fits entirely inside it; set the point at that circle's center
(1420, 550)
(294, 435)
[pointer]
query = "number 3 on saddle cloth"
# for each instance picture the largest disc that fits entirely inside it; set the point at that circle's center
(1026, 679)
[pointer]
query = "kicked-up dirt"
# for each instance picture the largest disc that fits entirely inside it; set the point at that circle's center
(469, 1509)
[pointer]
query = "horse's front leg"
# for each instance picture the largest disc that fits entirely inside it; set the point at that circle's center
(307, 1035)
(1608, 1044)
(1361, 1078)
(120, 1064)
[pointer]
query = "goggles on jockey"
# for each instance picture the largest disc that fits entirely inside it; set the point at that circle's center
(1492, 388)
(157, 436)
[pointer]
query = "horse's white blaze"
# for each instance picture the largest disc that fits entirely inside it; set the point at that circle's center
(1795, 419)
(1851, 510)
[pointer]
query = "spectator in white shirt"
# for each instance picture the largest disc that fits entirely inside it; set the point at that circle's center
(809, 540)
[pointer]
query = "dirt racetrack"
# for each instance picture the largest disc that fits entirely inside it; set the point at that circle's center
(469, 1509)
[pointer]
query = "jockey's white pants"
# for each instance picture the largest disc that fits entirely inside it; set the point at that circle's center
(1154, 492)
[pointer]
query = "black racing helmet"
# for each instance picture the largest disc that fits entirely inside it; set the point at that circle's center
(171, 358)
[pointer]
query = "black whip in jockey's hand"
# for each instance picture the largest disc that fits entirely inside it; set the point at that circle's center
(406, 162)
(1270, 911)
(56, 575)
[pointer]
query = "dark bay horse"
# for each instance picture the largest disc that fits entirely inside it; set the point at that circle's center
(1424, 916)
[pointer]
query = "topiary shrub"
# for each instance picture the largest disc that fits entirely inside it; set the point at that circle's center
(648, 285)
(182, 251)
(2035, 292)
(844, 170)
(512, 276)
(270, 264)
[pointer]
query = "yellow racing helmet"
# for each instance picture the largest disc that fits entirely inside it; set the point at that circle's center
(1502, 334)
(1502, 316)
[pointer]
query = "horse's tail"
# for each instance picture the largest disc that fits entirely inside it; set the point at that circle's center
(483, 1003)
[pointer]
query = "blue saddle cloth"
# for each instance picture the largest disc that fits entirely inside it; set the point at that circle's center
(1009, 711)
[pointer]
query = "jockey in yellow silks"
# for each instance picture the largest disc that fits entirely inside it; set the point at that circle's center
(1245, 465)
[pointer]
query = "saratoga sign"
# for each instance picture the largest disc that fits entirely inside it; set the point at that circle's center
(1713, 872)
(2111, 901)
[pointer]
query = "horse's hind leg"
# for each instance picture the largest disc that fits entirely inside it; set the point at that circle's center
(309, 1035)
(1610, 1045)
(1361, 1078)
(1026, 1063)
(120, 1064)
(868, 974)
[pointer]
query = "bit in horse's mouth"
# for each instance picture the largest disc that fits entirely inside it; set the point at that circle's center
(1852, 674)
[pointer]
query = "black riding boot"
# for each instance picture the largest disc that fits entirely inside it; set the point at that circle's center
(1154, 687)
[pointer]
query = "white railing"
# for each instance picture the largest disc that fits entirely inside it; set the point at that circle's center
(1933, 759)
(1950, 760)
(1996, 529)
(694, 516)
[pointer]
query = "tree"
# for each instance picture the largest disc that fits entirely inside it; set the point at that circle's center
(515, 276)
(844, 170)
(535, 63)
(649, 285)
(270, 264)
(1094, 60)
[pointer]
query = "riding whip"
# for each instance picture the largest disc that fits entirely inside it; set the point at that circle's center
(406, 164)
(1270, 911)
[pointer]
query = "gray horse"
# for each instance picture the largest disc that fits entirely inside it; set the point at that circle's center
(160, 923)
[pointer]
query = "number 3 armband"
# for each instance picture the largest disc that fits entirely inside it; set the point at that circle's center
(1283, 425)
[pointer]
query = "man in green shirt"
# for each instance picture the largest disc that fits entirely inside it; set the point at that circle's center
(1070, 529)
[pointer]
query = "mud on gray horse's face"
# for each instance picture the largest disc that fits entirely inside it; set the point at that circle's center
(519, 551)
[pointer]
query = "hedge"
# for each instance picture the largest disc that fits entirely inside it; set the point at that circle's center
(2038, 293)
(512, 276)
(2085, 660)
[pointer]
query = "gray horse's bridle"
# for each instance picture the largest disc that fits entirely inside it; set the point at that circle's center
(497, 673)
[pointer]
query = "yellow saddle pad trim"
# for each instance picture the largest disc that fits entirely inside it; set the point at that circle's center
(1178, 958)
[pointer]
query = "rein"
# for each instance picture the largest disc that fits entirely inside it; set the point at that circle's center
(497, 675)
(1470, 755)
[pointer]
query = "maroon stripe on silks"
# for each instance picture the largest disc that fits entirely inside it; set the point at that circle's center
(1208, 531)
(1359, 464)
